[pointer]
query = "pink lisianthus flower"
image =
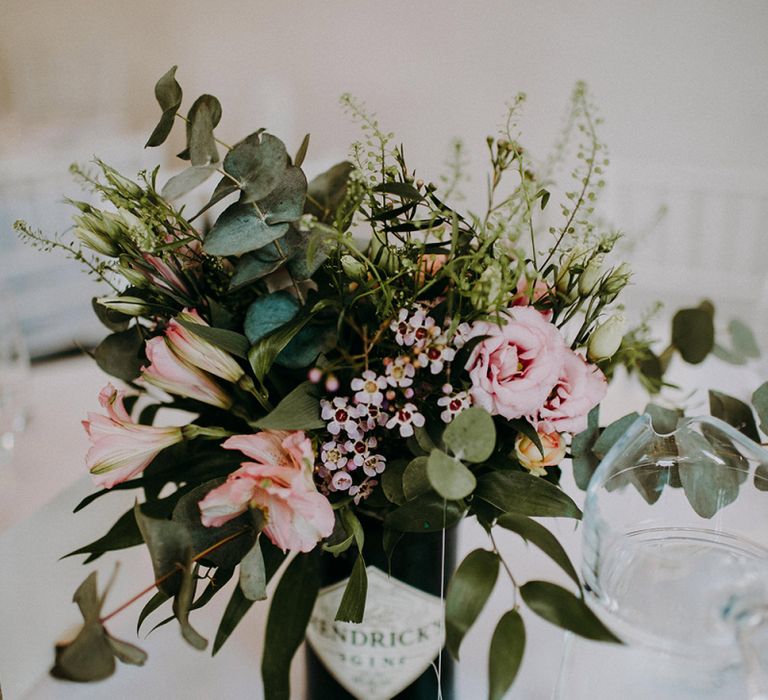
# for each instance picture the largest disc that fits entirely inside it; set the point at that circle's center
(533, 459)
(279, 483)
(198, 352)
(175, 376)
(121, 448)
(580, 388)
(515, 368)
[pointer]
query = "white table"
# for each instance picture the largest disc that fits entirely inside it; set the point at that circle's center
(46, 479)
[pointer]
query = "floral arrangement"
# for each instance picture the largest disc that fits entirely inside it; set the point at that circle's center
(348, 346)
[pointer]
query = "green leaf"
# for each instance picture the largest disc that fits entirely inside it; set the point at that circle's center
(302, 152)
(392, 481)
(305, 262)
(327, 191)
(251, 268)
(399, 189)
(415, 480)
(181, 606)
(425, 513)
(299, 410)
(169, 545)
(506, 652)
(744, 342)
(760, 401)
(286, 201)
(525, 494)
(468, 591)
(449, 477)
(126, 652)
(289, 613)
(153, 604)
(224, 188)
(664, 420)
(229, 341)
(471, 435)
(239, 230)
(693, 334)
(734, 412)
(238, 604)
(121, 354)
(186, 181)
(353, 527)
(708, 482)
(112, 319)
(268, 313)
(123, 534)
(537, 534)
(253, 576)
(168, 94)
(258, 163)
(612, 433)
(584, 460)
(562, 608)
(352, 606)
(203, 117)
(89, 657)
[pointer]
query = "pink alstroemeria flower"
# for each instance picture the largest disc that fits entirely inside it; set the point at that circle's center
(166, 277)
(171, 374)
(279, 483)
(194, 350)
(121, 448)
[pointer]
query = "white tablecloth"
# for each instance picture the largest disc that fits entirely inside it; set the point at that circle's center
(46, 479)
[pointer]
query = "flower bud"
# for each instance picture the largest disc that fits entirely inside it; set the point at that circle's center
(130, 306)
(134, 277)
(617, 280)
(122, 184)
(564, 272)
(591, 275)
(533, 459)
(606, 338)
(96, 241)
(353, 267)
(383, 256)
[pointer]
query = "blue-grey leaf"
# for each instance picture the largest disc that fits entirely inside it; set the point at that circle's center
(240, 230)
(258, 163)
(186, 181)
(268, 313)
(286, 201)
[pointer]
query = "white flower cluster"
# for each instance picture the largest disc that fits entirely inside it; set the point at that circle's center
(383, 402)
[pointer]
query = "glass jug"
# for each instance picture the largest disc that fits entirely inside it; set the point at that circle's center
(675, 561)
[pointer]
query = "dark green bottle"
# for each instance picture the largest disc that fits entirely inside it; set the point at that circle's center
(401, 633)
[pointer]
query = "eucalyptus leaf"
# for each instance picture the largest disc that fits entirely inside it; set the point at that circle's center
(224, 188)
(471, 435)
(298, 410)
(327, 191)
(760, 401)
(708, 482)
(352, 605)
(525, 494)
(507, 647)
(181, 606)
(121, 354)
(168, 93)
(584, 460)
(251, 268)
(88, 657)
(468, 591)
(415, 480)
(612, 433)
(186, 181)
(253, 577)
(258, 163)
(268, 313)
(202, 119)
(286, 201)
(239, 230)
(693, 334)
(663, 420)
(392, 481)
(126, 652)
(562, 608)
(111, 318)
(734, 412)
(449, 477)
(425, 513)
(289, 614)
(743, 339)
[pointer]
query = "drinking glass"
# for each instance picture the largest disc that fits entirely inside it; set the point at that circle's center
(675, 562)
(14, 376)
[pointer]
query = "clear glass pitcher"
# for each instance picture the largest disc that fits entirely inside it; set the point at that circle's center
(675, 560)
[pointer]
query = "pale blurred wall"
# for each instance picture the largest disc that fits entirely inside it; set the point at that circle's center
(682, 84)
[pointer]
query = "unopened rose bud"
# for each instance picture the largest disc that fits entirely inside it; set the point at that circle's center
(130, 306)
(606, 338)
(533, 459)
(591, 275)
(617, 280)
